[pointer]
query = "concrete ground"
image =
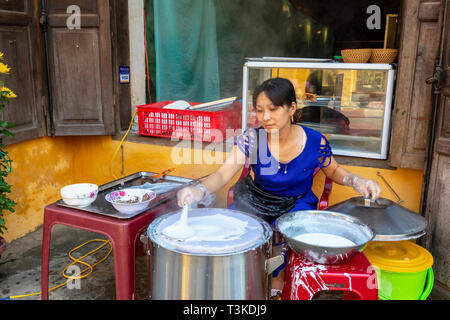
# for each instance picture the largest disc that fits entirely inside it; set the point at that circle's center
(20, 267)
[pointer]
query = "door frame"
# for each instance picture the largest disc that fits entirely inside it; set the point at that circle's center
(431, 183)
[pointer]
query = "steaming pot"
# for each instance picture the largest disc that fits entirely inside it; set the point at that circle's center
(207, 270)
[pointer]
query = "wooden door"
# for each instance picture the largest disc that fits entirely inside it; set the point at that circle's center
(419, 46)
(80, 67)
(19, 41)
(437, 209)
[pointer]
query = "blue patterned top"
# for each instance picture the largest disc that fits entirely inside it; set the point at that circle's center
(290, 179)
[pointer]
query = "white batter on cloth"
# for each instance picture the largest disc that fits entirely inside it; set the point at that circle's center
(212, 233)
(324, 240)
(209, 228)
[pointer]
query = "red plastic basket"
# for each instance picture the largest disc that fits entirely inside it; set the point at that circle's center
(208, 126)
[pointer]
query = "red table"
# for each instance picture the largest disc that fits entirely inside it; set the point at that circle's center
(123, 233)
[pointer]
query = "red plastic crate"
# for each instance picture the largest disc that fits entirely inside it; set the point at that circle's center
(208, 126)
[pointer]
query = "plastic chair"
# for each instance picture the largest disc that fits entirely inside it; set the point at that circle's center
(355, 277)
(323, 201)
(123, 233)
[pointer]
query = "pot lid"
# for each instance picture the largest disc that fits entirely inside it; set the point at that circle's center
(217, 232)
(401, 256)
(390, 221)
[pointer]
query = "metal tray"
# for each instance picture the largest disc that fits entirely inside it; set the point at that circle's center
(284, 59)
(103, 207)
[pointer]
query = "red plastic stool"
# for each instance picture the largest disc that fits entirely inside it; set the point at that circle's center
(123, 233)
(356, 278)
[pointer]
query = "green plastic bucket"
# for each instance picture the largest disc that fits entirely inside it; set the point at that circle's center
(403, 268)
(405, 285)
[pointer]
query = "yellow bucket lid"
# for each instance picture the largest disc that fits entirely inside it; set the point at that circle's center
(398, 256)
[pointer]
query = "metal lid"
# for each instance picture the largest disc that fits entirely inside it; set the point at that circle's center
(390, 221)
(218, 232)
(401, 256)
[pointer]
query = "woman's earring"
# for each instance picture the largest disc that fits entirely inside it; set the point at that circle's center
(292, 119)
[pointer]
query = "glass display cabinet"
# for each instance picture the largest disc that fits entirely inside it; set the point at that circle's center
(350, 103)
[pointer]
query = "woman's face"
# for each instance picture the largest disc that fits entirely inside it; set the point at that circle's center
(270, 116)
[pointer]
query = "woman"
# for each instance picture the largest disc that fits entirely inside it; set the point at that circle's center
(284, 156)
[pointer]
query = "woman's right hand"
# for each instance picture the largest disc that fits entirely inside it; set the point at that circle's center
(189, 195)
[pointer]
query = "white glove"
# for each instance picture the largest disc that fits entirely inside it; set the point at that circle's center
(193, 194)
(189, 195)
(368, 188)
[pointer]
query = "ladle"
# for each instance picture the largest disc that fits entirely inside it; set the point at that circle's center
(180, 229)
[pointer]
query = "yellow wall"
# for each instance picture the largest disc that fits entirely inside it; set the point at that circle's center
(407, 184)
(42, 166)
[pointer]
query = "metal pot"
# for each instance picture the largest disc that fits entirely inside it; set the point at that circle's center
(297, 223)
(223, 270)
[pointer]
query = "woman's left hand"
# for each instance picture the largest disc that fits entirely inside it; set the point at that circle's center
(371, 189)
(368, 188)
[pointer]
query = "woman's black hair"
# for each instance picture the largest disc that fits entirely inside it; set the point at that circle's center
(279, 90)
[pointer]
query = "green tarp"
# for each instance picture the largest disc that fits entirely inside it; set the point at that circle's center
(197, 48)
(186, 50)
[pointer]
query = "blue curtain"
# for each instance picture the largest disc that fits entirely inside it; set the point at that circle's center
(186, 57)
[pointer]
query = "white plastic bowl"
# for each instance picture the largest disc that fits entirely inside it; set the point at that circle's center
(130, 201)
(79, 194)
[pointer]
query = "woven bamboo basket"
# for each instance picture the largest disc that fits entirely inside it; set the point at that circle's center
(383, 55)
(356, 55)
